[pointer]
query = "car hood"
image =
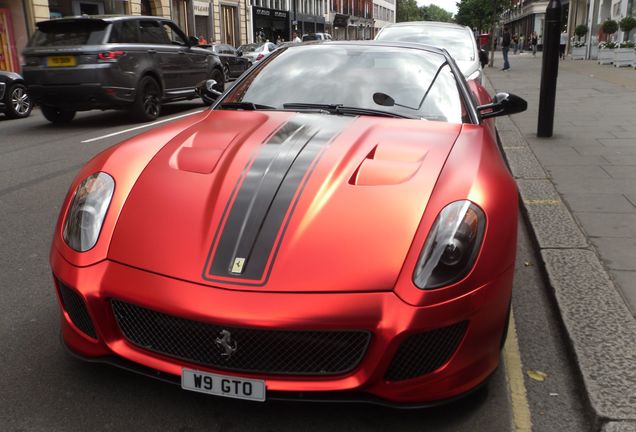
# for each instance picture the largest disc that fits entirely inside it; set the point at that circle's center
(284, 202)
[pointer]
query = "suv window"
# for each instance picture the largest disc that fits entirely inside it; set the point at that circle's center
(150, 32)
(63, 33)
(124, 32)
(174, 36)
(227, 49)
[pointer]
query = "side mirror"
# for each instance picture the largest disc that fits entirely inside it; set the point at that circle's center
(239, 53)
(483, 57)
(207, 92)
(503, 104)
(193, 41)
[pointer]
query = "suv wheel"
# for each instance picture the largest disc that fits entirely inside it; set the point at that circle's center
(226, 73)
(147, 105)
(217, 76)
(56, 115)
(18, 103)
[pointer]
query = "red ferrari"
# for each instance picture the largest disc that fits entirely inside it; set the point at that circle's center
(340, 225)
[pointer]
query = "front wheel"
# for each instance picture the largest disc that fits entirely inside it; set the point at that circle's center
(147, 105)
(56, 115)
(18, 103)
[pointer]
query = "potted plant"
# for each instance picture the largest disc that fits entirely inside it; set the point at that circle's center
(606, 49)
(625, 55)
(578, 47)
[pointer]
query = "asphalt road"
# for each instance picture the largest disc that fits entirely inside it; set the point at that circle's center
(43, 389)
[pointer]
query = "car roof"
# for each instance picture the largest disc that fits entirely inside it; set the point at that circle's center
(427, 24)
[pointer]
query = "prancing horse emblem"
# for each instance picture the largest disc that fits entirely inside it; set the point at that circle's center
(225, 342)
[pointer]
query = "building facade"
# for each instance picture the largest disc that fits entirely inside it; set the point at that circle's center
(525, 16)
(351, 19)
(383, 14)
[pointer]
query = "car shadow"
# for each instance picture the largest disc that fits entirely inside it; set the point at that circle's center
(113, 118)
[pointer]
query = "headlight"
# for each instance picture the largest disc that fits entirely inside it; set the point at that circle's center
(451, 247)
(87, 211)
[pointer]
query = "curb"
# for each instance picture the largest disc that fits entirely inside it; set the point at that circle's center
(598, 324)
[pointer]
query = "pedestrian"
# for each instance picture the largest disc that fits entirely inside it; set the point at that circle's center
(295, 37)
(521, 41)
(278, 40)
(534, 40)
(505, 47)
(515, 43)
(202, 40)
(563, 40)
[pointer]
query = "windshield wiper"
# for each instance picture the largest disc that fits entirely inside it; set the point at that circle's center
(341, 109)
(248, 106)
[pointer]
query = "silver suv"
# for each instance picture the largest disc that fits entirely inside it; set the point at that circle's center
(127, 62)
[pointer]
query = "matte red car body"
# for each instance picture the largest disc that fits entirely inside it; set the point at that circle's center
(345, 261)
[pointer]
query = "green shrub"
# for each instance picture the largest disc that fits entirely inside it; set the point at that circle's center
(580, 30)
(610, 27)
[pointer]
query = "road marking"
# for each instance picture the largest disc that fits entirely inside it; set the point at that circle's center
(139, 127)
(514, 377)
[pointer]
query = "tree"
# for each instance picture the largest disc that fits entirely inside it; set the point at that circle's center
(407, 10)
(610, 27)
(627, 24)
(435, 13)
(478, 13)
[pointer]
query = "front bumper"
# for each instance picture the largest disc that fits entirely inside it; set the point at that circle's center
(388, 318)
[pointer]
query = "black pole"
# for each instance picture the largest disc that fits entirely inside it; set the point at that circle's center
(550, 68)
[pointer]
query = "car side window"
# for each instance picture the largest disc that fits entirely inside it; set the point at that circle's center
(229, 50)
(124, 32)
(150, 32)
(271, 47)
(174, 35)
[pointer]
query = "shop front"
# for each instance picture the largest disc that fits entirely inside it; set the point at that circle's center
(270, 25)
(13, 34)
(309, 24)
(62, 8)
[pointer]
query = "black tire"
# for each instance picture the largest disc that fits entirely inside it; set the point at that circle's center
(56, 115)
(217, 76)
(226, 73)
(17, 101)
(147, 105)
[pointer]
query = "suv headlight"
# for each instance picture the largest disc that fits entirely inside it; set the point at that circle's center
(451, 247)
(87, 211)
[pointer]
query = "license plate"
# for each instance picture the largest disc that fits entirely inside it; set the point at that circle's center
(222, 385)
(61, 61)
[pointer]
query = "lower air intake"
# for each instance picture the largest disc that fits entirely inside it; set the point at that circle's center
(423, 353)
(76, 309)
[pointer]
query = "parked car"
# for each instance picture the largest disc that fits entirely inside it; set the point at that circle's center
(458, 40)
(262, 52)
(248, 50)
(123, 62)
(234, 64)
(14, 99)
(354, 236)
(316, 36)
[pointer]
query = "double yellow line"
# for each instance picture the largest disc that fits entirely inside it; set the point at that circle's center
(514, 377)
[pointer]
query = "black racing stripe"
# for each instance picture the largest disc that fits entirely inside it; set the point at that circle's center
(267, 194)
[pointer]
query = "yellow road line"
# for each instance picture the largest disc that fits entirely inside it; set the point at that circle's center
(514, 377)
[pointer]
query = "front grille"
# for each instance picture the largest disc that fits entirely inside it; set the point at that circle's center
(423, 353)
(302, 352)
(76, 309)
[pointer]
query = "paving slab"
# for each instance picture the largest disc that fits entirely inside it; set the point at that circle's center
(581, 204)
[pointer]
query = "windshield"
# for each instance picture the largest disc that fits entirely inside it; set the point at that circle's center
(420, 83)
(65, 33)
(457, 41)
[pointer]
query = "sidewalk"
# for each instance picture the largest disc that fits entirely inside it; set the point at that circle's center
(578, 190)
